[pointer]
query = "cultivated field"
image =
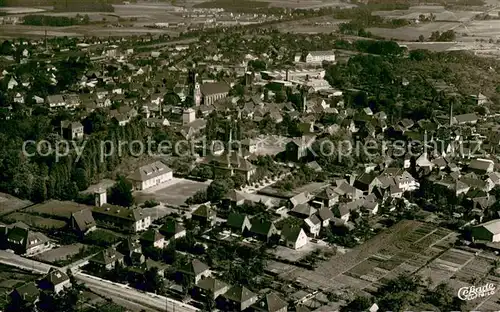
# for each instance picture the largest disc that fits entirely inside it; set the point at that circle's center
(61, 209)
(359, 268)
(407, 247)
(9, 203)
(35, 221)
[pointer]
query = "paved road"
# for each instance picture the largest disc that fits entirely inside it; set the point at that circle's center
(23, 263)
(114, 290)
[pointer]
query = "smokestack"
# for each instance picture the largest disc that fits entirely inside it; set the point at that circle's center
(286, 75)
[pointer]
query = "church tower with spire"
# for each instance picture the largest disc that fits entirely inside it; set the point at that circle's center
(194, 86)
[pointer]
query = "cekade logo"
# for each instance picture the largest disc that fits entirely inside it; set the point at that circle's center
(473, 292)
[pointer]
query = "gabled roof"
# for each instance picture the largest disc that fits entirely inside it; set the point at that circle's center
(327, 193)
(56, 277)
(271, 303)
(325, 214)
(171, 227)
(107, 256)
(194, 267)
(301, 308)
(83, 220)
(312, 220)
(56, 99)
(236, 220)
(128, 245)
(481, 164)
(492, 226)
(131, 214)
(300, 198)
(466, 118)
(151, 235)
(321, 53)
(211, 284)
(261, 226)
(304, 209)
(291, 233)
(204, 211)
(214, 88)
(234, 196)
(239, 294)
(149, 172)
(28, 292)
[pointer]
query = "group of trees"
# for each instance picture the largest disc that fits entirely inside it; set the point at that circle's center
(60, 21)
(408, 292)
(379, 78)
(446, 36)
(299, 177)
(42, 177)
(85, 6)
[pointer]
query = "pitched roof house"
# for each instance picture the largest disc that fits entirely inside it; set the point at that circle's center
(205, 214)
(172, 229)
(238, 222)
(55, 281)
(271, 303)
(150, 175)
(107, 259)
(82, 221)
(195, 270)
(262, 229)
(153, 238)
(210, 285)
(25, 241)
(294, 237)
(237, 298)
(25, 294)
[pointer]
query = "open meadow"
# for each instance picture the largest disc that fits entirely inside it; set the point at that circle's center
(34, 221)
(9, 203)
(58, 209)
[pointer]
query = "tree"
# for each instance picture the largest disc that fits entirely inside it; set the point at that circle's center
(154, 283)
(209, 301)
(421, 38)
(121, 193)
(360, 303)
(238, 179)
(444, 298)
(400, 293)
(81, 179)
(199, 197)
(218, 189)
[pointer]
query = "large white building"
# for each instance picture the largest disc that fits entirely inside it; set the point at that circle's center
(150, 175)
(320, 56)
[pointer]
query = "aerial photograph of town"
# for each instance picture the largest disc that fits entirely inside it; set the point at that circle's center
(249, 155)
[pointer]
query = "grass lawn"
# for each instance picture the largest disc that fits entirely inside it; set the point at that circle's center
(35, 221)
(60, 209)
